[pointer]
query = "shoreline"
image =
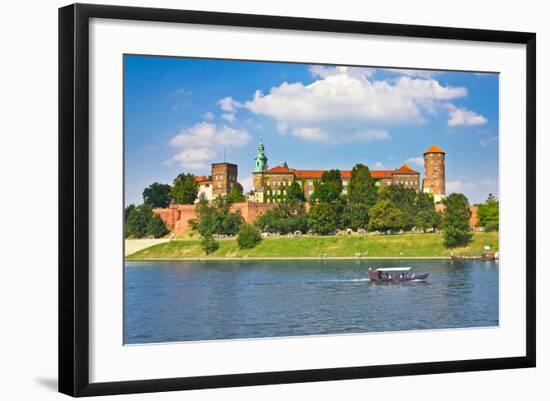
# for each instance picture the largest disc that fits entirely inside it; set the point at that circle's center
(202, 259)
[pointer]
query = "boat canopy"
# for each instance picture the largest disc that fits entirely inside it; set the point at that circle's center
(393, 269)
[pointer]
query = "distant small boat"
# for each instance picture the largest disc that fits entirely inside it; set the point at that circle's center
(485, 256)
(395, 274)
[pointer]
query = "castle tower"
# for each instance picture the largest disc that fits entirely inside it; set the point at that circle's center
(261, 159)
(260, 166)
(434, 176)
(224, 177)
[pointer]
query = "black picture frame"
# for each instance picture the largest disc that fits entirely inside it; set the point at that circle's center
(74, 198)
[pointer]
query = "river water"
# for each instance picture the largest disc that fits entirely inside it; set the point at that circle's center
(207, 300)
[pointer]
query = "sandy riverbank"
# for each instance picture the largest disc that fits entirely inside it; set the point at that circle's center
(134, 245)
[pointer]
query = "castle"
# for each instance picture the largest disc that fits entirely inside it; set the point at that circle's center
(271, 184)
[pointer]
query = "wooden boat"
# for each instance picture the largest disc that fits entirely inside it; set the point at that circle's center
(485, 256)
(395, 274)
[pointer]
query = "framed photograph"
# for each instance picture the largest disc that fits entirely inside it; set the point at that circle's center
(250, 199)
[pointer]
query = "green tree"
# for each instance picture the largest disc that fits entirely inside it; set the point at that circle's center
(157, 195)
(296, 193)
(140, 222)
(217, 218)
(184, 189)
(156, 227)
(127, 210)
(362, 187)
(384, 215)
(208, 244)
(355, 216)
(322, 219)
(329, 188)
(426, 216)
(424, 201)
(236, 195)
(488, 214)
(248, 237)
(286, 218)
(456, 221)
(404, 199)
(137, 223)
(426, 219)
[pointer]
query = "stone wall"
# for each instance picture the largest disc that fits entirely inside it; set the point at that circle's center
(176, 217)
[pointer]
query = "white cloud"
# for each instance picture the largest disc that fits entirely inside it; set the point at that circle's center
(318, 135)
(365, 136)
(345, 98)
(414, 73)
(194, 158)
(476, 190)
(228, 104)
(463, 116)
(208, 134)
(282, 127)
(200, 144)
(208, 115)
(314, 134)
(458, 186)
(419, 161)
(325, 71)
(379, 165)
(229, 117)
(247, 183)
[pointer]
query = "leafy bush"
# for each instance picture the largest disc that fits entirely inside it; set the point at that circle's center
(156, 227)
(217, 218)
(208, 244)
(488, 214)
(284, 219)
(248, 237)
(236, 195)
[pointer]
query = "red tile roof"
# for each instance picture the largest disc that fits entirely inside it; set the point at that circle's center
(318, 173)
(201, 178)
(381, 173)
(280, 169)
(434, 149)
(405, 169)
(345, 174)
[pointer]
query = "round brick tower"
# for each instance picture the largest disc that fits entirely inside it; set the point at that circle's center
(434, 176)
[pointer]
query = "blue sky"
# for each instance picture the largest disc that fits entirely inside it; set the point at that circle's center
(181, 113)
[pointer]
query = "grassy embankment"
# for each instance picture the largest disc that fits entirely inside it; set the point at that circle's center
(406, 245)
